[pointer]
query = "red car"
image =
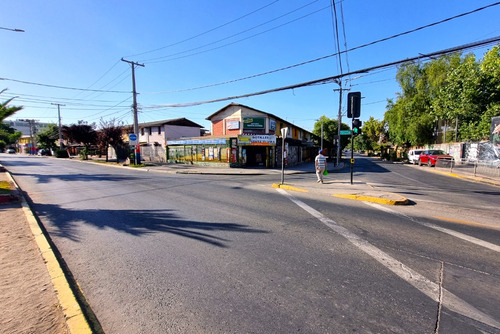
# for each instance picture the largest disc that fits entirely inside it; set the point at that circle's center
(431, 157)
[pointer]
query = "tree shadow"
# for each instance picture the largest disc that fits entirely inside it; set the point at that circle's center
(66, 223)
(46, 178)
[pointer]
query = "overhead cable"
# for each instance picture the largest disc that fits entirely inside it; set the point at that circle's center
(339, 76)
(204, 33)
(328, 56)
(64, 87)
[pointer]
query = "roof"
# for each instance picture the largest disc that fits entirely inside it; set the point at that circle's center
(263, 112)
(176, 121)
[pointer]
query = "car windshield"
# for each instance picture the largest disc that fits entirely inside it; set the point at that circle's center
(437, 152)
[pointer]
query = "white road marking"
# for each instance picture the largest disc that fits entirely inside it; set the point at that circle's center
(456, 234)
(429, 288)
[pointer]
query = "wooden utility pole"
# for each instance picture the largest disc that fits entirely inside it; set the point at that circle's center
(59, 115)
(134, 107)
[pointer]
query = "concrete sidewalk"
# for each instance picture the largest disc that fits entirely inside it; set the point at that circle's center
(35, 296)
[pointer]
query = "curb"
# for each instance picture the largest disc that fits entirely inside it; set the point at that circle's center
(284, 186)
(379, 200)
(73, 314)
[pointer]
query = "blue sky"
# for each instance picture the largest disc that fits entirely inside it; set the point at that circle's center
(194, 43)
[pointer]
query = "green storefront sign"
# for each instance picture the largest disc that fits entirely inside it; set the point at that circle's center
(254, 123)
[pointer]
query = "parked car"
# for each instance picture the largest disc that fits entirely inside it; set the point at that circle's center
(11, 151)
(413, 156)
(431, 157)
(43, 152)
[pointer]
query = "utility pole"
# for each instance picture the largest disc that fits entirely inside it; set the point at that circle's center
(59, 116)
(340, 89)
(134, 107)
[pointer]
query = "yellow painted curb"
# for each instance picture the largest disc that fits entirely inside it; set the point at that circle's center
(379, 200)
(75, 320)
(284, 186)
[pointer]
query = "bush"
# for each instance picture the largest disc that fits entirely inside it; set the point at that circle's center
(61, 154)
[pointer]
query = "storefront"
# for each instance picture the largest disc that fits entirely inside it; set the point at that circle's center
(216, 150)
(257, 150)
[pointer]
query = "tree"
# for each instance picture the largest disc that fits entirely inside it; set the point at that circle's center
(80, 134)
(110, 134)
(330, 130)
(6, 111)
(48, 138)
(8, 135)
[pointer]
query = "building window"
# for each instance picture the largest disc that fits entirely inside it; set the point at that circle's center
(159, 130)
(150, 130)
(142, 131)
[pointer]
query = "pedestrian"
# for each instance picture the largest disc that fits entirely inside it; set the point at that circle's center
(320, 164)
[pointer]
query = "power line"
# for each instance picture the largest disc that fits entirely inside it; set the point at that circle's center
(64, 87)
(204, 33)
(339, 76)
(158, 59)
(327, 56)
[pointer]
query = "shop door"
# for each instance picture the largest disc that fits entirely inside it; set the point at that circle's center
(256, 156)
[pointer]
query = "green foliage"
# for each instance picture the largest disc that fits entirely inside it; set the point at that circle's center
(8, 134)
(330, 129)
(453, 88)
(6, 111)
(61, 154)
(47, 139)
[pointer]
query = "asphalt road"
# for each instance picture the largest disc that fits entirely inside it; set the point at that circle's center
(167, 253)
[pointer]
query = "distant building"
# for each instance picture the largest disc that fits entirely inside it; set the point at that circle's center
(29, 128)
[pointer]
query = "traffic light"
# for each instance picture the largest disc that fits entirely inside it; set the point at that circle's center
(354, 104)
(356, 127)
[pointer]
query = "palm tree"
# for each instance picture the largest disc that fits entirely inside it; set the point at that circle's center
(6, 111)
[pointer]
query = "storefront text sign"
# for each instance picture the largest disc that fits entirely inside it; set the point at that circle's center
(257, 140)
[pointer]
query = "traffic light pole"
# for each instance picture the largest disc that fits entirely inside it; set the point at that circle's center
(352, 149)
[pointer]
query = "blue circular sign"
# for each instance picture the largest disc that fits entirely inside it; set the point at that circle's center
(132, 137)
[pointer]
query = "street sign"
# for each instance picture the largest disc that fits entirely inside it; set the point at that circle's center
(345, 132)
(132, 139)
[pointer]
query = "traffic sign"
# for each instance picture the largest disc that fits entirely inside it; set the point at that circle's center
(345, 132)
(132, 139)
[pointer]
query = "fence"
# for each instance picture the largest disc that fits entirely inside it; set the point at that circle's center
(489, 168)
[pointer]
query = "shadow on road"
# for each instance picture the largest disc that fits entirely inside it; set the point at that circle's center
(66, 223)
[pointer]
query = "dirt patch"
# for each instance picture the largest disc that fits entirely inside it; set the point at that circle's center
(28, 302)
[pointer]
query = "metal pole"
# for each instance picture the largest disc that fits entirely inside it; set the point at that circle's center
(352, 148)
(59, 116)
(339, 121)
(283, 161)
(321, 134)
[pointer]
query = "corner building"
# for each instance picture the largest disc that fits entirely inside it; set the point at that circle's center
(242, 136)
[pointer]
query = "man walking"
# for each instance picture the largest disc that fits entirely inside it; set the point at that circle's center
(320, 164)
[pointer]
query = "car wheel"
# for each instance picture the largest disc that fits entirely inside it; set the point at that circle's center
(429, 163)
(419, 162)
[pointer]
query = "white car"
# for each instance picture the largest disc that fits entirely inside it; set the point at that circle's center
(413, 156)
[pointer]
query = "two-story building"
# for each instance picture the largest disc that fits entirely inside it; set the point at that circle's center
(153, 136)
(244, 136)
